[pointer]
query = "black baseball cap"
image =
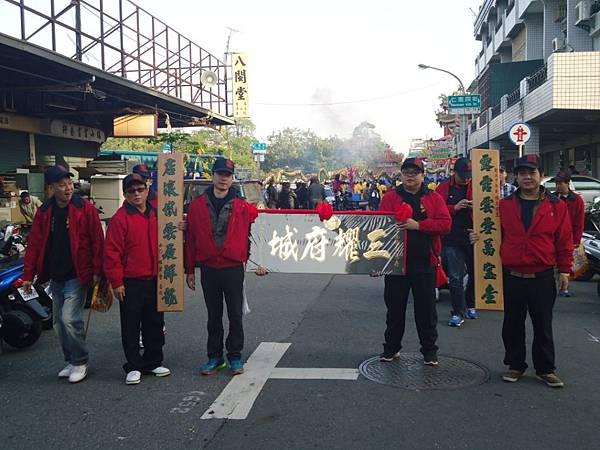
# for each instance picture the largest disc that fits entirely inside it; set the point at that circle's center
(462, 167)
(502, 168)
(131, 179)
(223, 165)
(562, 175)
(413, 162)
(528, 161)
(56, 173)
(142, 169)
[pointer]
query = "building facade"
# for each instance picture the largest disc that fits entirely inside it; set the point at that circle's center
(540, 64)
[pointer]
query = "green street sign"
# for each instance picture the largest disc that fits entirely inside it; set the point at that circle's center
(464, 104)
(259, 146)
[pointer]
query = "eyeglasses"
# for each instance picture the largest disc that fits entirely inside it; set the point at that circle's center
(411, 173)
(135, 191)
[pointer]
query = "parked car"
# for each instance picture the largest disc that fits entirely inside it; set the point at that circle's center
(587, 187)
(250, 191)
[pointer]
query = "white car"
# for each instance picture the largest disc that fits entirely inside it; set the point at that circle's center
(587, 187)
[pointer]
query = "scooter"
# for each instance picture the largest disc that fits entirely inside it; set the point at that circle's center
(21, 313)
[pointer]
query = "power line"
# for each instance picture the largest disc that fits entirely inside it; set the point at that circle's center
(373, 99)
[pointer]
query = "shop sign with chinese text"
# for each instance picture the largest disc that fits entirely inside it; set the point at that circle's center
(344, 244)
(170, 238)
(239, 68)
(486, 222)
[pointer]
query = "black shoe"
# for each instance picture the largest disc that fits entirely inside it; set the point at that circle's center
(389, 356)
(431, 360)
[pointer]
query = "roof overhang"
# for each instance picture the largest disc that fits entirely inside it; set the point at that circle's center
(26, 66)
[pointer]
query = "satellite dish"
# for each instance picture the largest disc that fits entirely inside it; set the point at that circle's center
(209, 79)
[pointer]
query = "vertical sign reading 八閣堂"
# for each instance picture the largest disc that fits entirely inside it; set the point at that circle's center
(170, 238)
(486, 222)
(239, 68)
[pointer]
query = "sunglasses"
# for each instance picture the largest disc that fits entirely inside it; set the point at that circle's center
(411, 173)
(135, 190)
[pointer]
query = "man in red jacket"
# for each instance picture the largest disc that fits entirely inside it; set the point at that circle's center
(131, 267)
(218, 224)
(430, 220)
(457, 193)
(536, 238)
(574, 202)
(65, 247)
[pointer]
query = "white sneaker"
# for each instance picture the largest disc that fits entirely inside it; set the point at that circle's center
(133, 377)
(65, 372)
(78, 373)
(161, 371)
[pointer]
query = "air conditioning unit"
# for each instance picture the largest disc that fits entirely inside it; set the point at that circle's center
(558, 43)
(583, 12)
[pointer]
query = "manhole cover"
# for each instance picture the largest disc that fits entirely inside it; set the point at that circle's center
(409, 372)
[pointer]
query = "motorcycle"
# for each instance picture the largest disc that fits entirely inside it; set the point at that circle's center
(22, 315)
(12, 241)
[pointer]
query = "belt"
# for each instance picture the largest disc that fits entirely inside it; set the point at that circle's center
(542, 274)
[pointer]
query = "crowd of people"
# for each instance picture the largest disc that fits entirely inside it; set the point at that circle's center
(67, 247)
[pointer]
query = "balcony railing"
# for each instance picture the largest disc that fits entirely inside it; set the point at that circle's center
(511, 5)
(538, 78)
(496, 110)
(514, 97)
(483, 118)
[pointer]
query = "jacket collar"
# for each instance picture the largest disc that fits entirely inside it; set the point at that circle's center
(76, 201)
(543, 194)
(570, 196)
(133, 210)
(424, 190)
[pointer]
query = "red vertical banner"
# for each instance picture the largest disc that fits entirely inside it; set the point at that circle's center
(170, 239)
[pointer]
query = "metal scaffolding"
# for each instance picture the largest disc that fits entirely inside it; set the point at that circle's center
(121, 38)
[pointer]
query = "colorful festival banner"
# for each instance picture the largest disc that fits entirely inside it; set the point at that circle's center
(486, 221)
(170, 238)
(239, 67)
(344, 244)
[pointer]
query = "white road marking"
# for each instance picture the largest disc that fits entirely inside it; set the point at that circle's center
(238, 397)
(592, 337)
(289, 373)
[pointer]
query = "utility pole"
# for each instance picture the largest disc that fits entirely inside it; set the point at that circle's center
(462, 137)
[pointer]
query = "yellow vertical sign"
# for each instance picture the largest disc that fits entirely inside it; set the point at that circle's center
(486, 222)
(239, 67)
(170, 238)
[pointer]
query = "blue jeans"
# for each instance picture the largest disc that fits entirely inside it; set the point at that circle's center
(68, 300)
(458, 261)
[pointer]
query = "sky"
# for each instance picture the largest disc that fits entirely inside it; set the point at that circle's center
(360, 55)
(339, 51)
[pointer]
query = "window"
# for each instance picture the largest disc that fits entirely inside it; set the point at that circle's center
(585, 184)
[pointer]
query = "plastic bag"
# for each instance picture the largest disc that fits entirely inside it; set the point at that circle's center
(580, 261)
(102, 296)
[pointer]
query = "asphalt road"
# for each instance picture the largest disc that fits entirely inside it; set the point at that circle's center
(330, 322)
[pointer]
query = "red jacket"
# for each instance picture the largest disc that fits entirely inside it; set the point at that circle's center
(200, 246)
(444, 190)
(131, 246)
(85, 237)
(438, 220)
(547, 243)
(576, 209)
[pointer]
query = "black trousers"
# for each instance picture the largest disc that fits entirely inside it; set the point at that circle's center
(536, 295)
(395, 294)
(138, 312)
(216, 284)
